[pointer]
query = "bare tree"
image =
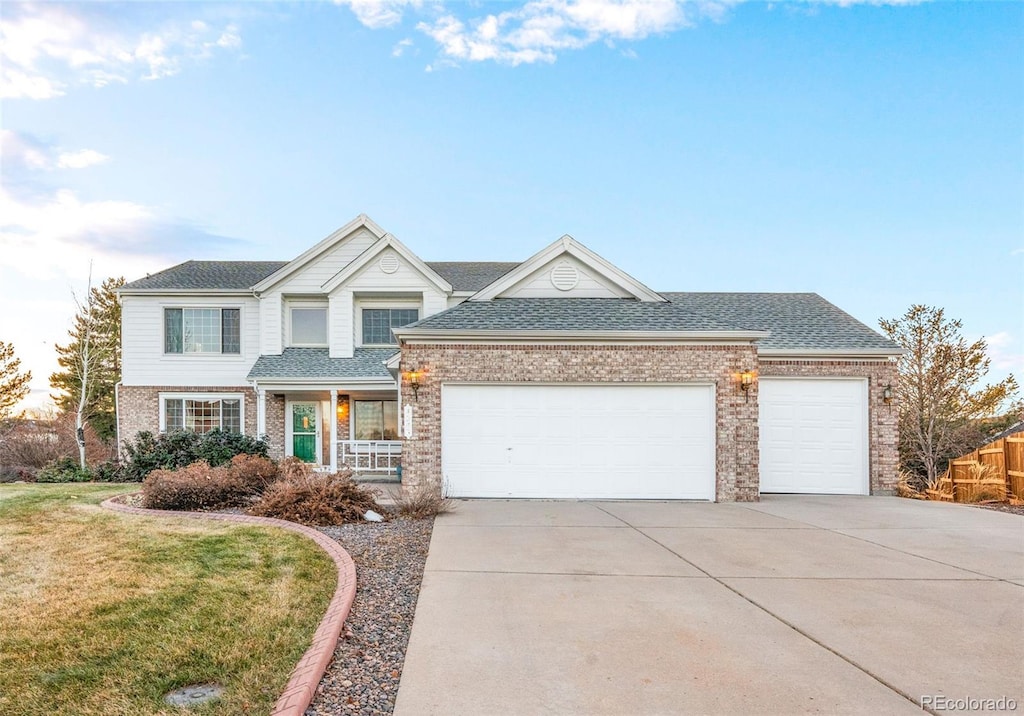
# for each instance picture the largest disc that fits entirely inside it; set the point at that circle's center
(82, 362)
(938, 388)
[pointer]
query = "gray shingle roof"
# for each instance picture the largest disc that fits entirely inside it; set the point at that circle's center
(471, 275)
(240, 275)
(317, 363)
(799, 321)
(209, 275)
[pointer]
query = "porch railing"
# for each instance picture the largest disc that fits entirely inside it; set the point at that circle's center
(370, 455)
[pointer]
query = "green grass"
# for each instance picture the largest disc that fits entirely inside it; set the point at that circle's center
(103, 613)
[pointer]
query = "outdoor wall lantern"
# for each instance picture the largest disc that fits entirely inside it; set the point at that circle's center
(342, 409)
(887, 395)
(415, 378)
(746, 380)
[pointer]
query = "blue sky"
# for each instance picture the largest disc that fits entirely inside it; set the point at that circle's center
(872, 153)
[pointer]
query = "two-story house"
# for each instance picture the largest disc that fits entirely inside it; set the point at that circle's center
(560, 376)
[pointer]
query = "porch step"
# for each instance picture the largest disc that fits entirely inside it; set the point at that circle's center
(387, 490)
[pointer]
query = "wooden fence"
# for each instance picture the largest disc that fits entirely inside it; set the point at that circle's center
(1005, 458)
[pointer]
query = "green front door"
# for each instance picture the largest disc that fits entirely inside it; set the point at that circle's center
(304, 431)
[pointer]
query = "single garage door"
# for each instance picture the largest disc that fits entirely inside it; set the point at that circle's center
(813, 435)
(579, 441)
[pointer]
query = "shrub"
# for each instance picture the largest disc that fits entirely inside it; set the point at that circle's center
(314, 498)
(179, 449)
(65, 469)
(253, 472)
(194, 487)
(17, 473)
(421, 504)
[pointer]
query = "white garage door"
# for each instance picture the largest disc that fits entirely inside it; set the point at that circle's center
(579, 441)
(813, 435)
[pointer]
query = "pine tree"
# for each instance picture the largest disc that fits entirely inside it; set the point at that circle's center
(13, 383)
(95, 353)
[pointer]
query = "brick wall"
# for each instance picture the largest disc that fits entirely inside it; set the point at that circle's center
(139, 406)
(736, 418)
(882, 418)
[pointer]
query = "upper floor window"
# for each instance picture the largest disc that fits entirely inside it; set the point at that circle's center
(378, 322)
(202, 330)
(309, 326)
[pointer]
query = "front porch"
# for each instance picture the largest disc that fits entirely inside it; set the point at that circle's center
(363, 434)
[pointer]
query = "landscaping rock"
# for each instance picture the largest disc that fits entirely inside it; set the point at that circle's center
(367, 666)
(188, 696)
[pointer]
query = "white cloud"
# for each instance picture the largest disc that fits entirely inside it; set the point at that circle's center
(539, 30)
(379, 13)
(399, 49)
(45, 49)
(1006, 352)
(80, 159)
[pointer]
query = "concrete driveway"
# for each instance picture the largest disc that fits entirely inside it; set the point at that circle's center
(791, 605)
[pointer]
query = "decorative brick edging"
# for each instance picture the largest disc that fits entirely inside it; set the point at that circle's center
(306, 675)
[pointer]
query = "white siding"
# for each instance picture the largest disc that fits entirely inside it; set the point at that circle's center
(339, 323)
(455, 301)
(590, 285)
(405, 279)
(142, 341)
(271, 323)
(312, 277)
(433, 302)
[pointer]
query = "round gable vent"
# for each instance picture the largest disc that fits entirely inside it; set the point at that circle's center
(564, 276)
(388, 263)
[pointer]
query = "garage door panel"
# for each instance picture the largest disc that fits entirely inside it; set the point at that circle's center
(813, 435)
(640, 441)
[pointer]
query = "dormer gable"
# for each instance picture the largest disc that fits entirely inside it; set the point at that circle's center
(391, 256)
(567, 269)
(323, 260)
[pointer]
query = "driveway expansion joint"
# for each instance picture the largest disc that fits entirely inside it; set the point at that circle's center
(777, 617)
(305, 677)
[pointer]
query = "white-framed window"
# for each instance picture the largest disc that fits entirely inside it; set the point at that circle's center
(202, 330)
(307, 324)
(375, 419)
(202, 412)
(376, 323)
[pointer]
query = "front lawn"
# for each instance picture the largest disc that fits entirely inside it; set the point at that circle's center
(103, 613)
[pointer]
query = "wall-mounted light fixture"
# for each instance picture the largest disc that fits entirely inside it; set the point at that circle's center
(415, 378)
(887, 395)
(746, 381)
(342, 409)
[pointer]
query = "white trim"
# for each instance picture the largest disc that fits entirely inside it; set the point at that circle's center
(334, 429)
(289, 444)
(336, 237)
(240, 397)
(864, 485)
(164, 305)
(569, 245)
(306, 303)
(388, 241)
(359, 304)
(170, 292)
(437, 335)
(261, 413)
(879, 354)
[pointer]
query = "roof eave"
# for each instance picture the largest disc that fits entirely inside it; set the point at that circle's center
(423, 334)
(830, 352)
(123, 291)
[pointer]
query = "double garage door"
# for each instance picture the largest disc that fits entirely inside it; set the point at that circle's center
(644, 441)
(626, 441)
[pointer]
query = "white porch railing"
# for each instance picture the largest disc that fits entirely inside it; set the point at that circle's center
(370, 455)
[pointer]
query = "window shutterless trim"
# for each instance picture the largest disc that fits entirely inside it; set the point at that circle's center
(174, 330)
(164, 397)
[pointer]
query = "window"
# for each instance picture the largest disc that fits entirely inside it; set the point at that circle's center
(202, 330)
(309, 327)
(376, 419)
(202, 414)
(378, 322)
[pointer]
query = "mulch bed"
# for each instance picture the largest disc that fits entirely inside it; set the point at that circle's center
(1003, 507)
(367, 666)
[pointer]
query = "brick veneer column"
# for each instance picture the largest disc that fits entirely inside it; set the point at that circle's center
(736, 417)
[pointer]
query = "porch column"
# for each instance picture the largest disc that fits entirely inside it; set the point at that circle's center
(261, 413)
(334, 429)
